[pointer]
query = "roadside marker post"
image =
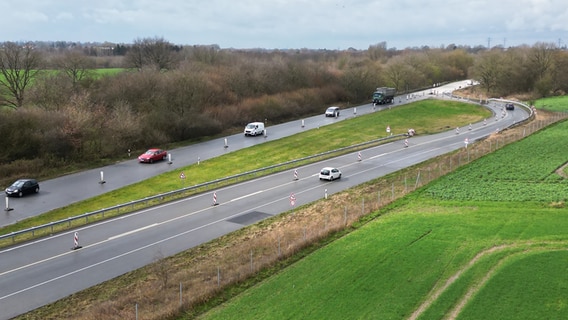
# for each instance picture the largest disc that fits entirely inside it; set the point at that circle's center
(303, 124)
(8, 205)
(215, 199)
(102, 178)
(226, 143)
(359, 156)
(76, 241)
(295, 174)
(169, 158)
(406, 143)
(325, 194)
(466, 141)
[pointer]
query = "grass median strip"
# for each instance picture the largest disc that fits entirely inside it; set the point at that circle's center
(426, 117)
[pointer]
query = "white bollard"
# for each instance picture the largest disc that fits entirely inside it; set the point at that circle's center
(169, 158)
(325, 194)
(102, 178)
(198, 160)
(8, 205)
(302, 123)
(226, 143)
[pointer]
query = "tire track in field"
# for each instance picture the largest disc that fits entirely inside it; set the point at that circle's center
(456, 310)
(474, 289)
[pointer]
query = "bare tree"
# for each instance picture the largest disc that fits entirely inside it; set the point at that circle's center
(152, 52)
(76, 66)
(19, 64)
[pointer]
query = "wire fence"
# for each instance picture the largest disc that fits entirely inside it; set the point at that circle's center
(170, 290)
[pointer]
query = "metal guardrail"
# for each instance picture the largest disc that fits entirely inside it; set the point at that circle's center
(160, 198)
(49, 228)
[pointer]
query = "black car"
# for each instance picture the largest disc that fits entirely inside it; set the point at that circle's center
(510, 106)
(22, 187)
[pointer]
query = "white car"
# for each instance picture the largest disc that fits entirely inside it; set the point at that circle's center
(329, 173)
(332, 112)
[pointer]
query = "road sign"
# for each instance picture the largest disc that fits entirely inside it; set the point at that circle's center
(182, 175)
(388, 129)
(292, 199)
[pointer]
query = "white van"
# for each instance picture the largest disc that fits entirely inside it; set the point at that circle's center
(254, 129)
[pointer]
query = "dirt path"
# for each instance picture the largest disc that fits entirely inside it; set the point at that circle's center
(433, 296)
(560, 171)
(457, 309)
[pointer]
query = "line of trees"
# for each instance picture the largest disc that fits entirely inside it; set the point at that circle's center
(58, 107)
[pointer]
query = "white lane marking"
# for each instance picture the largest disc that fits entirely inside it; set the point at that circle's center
(246, 196)
(132, 231)
(131, 251)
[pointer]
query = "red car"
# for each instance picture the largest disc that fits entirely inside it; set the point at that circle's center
(153, 155)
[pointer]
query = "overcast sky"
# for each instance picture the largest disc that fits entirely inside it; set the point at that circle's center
(290, 24)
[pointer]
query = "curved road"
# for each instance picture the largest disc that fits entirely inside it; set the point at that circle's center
(34, 274)
(59, 192)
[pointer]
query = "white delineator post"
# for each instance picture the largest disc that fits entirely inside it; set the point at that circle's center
(8, 205)
(215, 199)
(295, 174)
(76, 241)
(102, 178)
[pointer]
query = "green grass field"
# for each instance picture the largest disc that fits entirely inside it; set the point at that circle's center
(475, 250)
(558, 103)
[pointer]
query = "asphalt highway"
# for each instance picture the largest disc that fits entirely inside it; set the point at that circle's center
(71, 188)
(41, 272)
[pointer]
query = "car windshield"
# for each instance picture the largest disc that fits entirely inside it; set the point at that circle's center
(251, 126)
(150, 152)
(330, 109)
(18, 183)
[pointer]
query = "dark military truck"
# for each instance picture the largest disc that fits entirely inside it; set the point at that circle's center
(384, 95)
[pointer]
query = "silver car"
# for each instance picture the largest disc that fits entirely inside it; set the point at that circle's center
(330, 174)
(332, 112)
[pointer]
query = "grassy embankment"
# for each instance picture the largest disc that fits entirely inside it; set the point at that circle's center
(426, 117)
(488, 241)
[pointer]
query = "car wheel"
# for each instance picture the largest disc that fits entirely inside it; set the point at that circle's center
(339, 177)
(36, 190)
(20, 194)
(151, 161)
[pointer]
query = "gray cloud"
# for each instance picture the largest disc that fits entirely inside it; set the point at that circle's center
(332, 24)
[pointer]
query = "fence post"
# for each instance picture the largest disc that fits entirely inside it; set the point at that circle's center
(251, 264)
(218, 277)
